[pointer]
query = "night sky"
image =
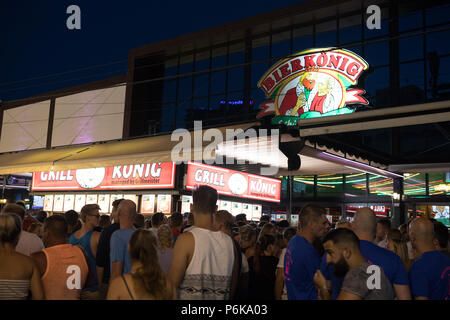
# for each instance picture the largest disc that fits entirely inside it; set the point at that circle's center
(36, 42)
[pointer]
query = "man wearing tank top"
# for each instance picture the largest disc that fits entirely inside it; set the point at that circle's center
(204, 266)
(63, 267)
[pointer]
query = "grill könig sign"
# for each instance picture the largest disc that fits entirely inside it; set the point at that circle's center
(233, 183)
(313, 83)
(137, 176)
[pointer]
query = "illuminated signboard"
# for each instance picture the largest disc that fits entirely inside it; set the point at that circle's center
(139, 176)
(379, 210)
(233, 183)
(312, 83)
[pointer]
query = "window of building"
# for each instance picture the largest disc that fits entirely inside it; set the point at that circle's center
(410, 20)
(412, 82)
(281, 44)
(437, 15)
(219, 57)
(303, 187)
(376, 54)
(326, 34)
(405, 46)
(235, 79)
(258, 70)
(303, 39)
(435, 42)
(438, 83)
(201, 85)
(414, 184)
(377, 85)
(329, 185)
(439, 183)
(202, 61)
(185, 89)
(170, 90)
(380, 186)
(168, 117)
(350, 29)
(218, 80)
(355, 184)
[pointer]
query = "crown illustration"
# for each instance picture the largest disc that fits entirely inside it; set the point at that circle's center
(312, 69)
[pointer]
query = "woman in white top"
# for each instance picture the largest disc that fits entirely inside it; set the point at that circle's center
(18, 273)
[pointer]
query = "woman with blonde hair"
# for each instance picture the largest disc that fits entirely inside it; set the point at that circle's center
(147, 280)
(165, 247)
(396, 244)
(18, 272)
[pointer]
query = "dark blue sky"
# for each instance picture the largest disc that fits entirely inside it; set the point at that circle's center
(36, 42)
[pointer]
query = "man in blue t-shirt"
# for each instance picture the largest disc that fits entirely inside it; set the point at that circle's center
(302, 260)
(429, 275)
(364, 225)
(120, 257)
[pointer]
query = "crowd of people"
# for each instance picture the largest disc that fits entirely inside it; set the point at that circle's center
(212, 255)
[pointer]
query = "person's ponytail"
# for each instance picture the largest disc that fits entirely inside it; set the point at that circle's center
(143, 249)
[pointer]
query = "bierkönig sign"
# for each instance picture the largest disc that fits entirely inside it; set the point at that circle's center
(313, 83)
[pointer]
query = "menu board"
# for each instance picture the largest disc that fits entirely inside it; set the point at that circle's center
(113, 198)
(58, 203)
(236, 208)
(103, 202)
(48, 202)
(186, 203)
(225, 205)
(247, 209)
(91, 198)
(69, 200)
(294, 220)
(80, 201)
(131, 197)
(256, 212)
(148, 203)
(164, 203)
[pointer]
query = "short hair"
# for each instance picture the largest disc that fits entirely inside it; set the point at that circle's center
(247, 232)
(15, 208)
(71, 217)
(341, 222)
(204, 200)
(41, 216)
(87, 210)
(104, 220)
(283, 224)
(176, 219)
(265, 218)
(441, 234)
(310, 213)
(226, 218)
(288, 233)
(395, 235)
(342, 236)
(157, 219)
(139, 220)
(10, 228)
(57, 225)
(385, 222)
(165, 236)
(21, 203)
(241, 217)
(116, 203)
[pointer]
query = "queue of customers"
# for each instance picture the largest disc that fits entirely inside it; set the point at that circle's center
(213, 255)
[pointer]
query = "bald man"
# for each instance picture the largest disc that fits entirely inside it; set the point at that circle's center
(119, 256)
(429, 275)
(364, 225)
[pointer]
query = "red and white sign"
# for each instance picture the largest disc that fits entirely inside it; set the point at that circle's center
(379, 210)
(233, 183)
(138, 176)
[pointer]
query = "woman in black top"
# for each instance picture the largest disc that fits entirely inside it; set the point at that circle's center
(262, 269)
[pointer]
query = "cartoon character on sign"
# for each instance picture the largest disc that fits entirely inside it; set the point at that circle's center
(312, 83)
(315, 91)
